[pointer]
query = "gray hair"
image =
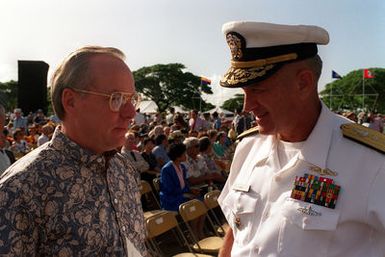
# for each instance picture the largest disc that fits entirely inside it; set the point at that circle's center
(190, 142)
(73, 73)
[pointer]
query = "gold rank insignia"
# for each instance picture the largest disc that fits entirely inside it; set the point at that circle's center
(249, 132)
(364, 135)
(323, 172)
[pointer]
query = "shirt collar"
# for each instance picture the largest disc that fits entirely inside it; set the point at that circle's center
(316, 147)
(74, 151)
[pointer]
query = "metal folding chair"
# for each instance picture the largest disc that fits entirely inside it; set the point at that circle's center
(160, 224)
(211, 202)
(192, 210)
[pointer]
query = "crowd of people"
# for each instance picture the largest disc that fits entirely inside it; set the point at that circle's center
(208, 141)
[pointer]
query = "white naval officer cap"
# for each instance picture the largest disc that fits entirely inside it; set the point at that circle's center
(260, 49)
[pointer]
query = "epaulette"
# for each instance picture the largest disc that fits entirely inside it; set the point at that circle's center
(249, 132)
(364, 135)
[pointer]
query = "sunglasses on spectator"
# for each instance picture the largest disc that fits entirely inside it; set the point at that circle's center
(117, 99)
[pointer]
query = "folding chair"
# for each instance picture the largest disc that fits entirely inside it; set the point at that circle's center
(147, 193)
(160, 224)
(211, 202)
(192, 210)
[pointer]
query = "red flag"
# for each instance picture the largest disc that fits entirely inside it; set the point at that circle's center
(368, 74)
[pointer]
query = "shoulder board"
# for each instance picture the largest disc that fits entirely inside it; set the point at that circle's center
(364, 135)
(248, 132)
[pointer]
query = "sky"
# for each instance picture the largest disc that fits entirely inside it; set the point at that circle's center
(189, 32)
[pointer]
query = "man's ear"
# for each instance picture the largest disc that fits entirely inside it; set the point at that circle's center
(68, 99)
(306, 82)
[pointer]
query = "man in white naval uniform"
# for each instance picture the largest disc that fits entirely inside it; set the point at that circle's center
(305, 182)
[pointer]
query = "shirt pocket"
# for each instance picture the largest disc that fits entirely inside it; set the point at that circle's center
(240, 208)
(306, 227)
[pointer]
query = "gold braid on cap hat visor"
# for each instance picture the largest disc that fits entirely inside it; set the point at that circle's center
(264, 62)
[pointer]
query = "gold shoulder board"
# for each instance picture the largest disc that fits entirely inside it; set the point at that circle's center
(248, 132)
(364, 135)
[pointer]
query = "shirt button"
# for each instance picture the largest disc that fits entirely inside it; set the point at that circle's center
(115, 200)
(124, 228)
(99, 160)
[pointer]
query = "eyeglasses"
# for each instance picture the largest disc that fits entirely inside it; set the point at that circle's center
(117, 99)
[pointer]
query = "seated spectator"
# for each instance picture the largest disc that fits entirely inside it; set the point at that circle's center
(174, 185)
(212, 134)
(219, 146)
(173, 179)
(179, 123)
(39, 117)
(167, 131)
(135, 157)
(176, 137)
(156, 131)
(148, 156)
(197, 171)
(19, 146)
(19, 122)
(232, 134)
(46, 134)
(160, 150)
(215, 170)
(33, 136)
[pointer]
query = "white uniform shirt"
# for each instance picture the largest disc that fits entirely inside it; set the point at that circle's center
(270, 223)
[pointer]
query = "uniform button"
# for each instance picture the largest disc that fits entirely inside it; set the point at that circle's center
(115, 200)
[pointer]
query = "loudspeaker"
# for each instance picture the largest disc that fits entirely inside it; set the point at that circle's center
(32, 86)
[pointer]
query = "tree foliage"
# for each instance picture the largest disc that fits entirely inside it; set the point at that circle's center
(234, 103)
(169, 85)
(346, 93)
(8, 94)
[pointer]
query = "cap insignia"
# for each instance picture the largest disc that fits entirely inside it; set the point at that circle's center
(234, 40)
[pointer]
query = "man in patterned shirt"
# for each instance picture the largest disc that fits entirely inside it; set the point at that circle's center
(77, 196)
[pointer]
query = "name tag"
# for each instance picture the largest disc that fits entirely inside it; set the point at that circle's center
(241, 187)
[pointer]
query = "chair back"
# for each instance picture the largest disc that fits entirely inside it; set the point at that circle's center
(211, 199)
(160, 223)
(192, 209)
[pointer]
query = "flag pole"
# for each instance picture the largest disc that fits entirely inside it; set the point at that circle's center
(363, 90)
(331, 93)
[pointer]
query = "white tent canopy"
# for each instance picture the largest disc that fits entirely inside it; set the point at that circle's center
(180, 109)
(220, 110)
(148, 107)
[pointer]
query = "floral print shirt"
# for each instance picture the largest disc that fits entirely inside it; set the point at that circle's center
(62, 200)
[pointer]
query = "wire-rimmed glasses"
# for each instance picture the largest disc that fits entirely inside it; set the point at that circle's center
(117, 99)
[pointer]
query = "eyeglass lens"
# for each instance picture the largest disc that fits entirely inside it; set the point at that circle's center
(119, 99)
